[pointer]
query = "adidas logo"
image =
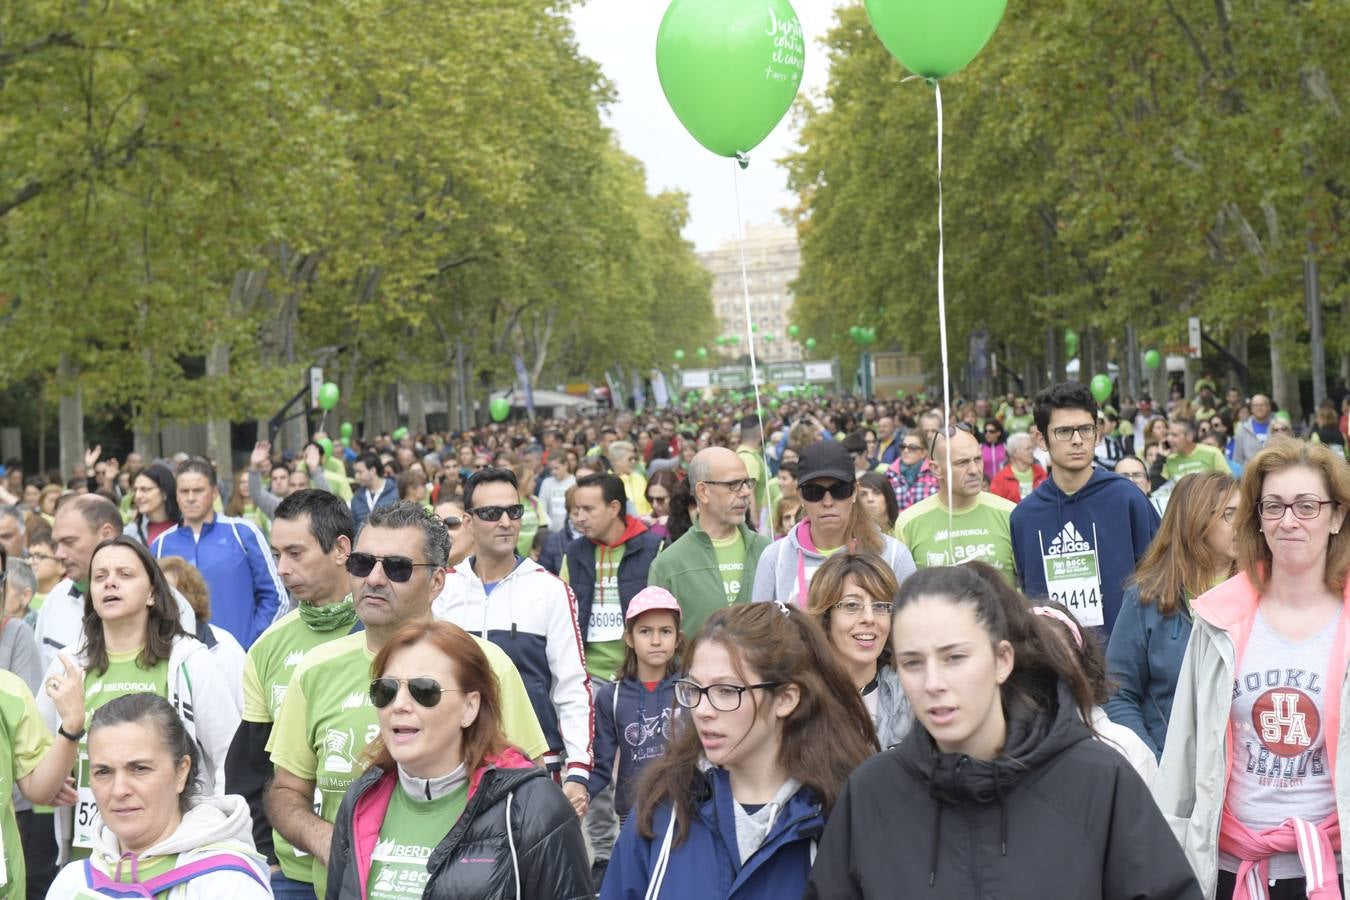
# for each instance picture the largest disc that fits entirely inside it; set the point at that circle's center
(1067, 541)
(293, 659)
(354, 700)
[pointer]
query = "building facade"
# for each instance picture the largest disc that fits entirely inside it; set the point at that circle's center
(772, 258)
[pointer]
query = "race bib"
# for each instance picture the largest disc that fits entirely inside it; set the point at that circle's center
(87, 818)
(606, 624)
(1071, 574)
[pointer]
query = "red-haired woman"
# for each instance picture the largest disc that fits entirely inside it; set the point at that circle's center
(447, 807)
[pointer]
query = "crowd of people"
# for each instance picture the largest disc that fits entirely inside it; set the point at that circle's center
(840, 649)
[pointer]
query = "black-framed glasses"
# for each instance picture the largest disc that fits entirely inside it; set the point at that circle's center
(425, 692)
(1065, 433)
(912, 448)
(814, 493)
(397, 569)
(723, 697)
(854, 607)
(655, 500)
(452, 522)
(1304, 508)
(494, 513)
(950, 432)
(736, 485)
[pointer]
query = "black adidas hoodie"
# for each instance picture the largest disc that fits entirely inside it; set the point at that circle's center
(1059, 816)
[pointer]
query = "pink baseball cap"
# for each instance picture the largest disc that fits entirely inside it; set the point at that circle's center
(650, 598)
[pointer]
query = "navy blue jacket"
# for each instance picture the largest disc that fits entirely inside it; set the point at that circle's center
(707, 865)
(640, 547)
(1109, 514)
(555, 544)
(361, 508)
(1144, 659)
(632, 727)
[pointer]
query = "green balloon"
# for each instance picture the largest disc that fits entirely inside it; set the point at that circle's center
(935, 38)
(773, 402)
(702, 352)
(1153, 359)
(855, 332)
(754, 328)
(499, 408)
(346, 431)
(325, 445)
(900, 394)
(400, 433)
(1101, 388)
(679, 354)
(793, 331)
(328, 396)
(770, 338)
(810, 343)
(730, 69)
(1071, 341)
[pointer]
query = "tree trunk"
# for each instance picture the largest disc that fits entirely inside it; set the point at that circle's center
(1283, 383)
(218, 429)
(71, 423)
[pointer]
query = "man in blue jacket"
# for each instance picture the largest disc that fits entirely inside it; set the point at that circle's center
(373, 488)
(1078, 536)
(230, 553)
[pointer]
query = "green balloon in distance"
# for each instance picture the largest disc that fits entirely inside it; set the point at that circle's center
(400, 433)
(1153, 359)
(855, 331)
(794, 330)
(900, 394)
(1071, 341)
(1101, 388)
(346, 430)
(679, 354)
(773, 402)
(730, 69)
(328, 396)
(499, 408)
(810, 343)
(325, 445)
(935, 38)
(770, 338)
(702, 352)
(754, 328)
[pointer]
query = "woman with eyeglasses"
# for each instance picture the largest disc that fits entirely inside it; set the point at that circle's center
(998, 790)
(851, 597)
(1257, 730)
(448, 808)
(735, 807)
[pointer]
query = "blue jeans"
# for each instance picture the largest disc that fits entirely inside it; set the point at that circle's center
(284, 888)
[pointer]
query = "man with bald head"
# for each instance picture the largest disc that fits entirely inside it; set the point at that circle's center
(1249, 437)
(713, 564)
(82, 523)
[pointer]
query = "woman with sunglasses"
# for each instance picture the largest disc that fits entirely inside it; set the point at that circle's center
(851, 597)
(1257, 731)
(993, 448)
(912, 476)
(735, 806)
(448, 808)
(660, 488)
(835, 521)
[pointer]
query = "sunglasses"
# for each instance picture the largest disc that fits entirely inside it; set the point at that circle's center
(452, 522)
(814, 493)
(912, 448)
(397, 569)
(426, 692)
(494, 513)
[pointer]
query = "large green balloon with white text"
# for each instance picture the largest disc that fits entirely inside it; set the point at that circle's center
(935, 38)
(730, 68)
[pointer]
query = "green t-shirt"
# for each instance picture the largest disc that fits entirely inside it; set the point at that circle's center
(23, 742)
(124, 676)
(731, 563)
(1018, 424)
(1024, 481)
(335, 473)
(1203, 458)
(410, 832)
(268, 668)
(982, 532)
(326, 721)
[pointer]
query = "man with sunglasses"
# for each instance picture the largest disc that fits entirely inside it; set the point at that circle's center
(326, 718)
(833, 520)
(527, 611)
(1078, 536)
(713, 564)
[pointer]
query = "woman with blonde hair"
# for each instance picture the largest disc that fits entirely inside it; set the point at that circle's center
(1194, 550)
(1257, 727)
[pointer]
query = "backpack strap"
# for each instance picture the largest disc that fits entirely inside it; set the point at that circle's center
(220, 862)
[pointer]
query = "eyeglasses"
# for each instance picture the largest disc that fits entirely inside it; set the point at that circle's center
(1281, 429)
(736, 485)
(911, 448)
(397, 569)
(42, 557)
(655, 500)
(1230, 512)
(452, 522)
(494, 513)
(1303, 508)
(723, 697)
(426, 692)
(851, 607)
(1136, 476)
(1065, 433)
(814, 493)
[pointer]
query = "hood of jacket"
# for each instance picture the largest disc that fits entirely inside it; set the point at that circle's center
(1050, 493)
(632, 528)
(212, 820)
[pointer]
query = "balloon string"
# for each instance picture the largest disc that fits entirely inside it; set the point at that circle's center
(750, 340)
(942, 321)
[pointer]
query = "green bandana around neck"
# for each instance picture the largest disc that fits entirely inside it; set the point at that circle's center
(327, 618)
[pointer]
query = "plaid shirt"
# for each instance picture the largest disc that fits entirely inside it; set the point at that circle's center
(906, 495)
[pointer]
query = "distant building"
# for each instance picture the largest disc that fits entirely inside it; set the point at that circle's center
(772, 258)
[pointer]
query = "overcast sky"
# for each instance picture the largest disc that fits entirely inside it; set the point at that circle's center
(621, 36)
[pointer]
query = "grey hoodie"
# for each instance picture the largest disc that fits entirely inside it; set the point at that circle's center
(214, 826)
(786, 565)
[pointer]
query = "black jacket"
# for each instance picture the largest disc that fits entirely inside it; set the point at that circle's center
(1059, 815)
(479, 857)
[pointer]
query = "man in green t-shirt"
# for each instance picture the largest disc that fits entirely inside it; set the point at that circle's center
(311, 538)
(325, 720)
(1185, 456)
(976, 527)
